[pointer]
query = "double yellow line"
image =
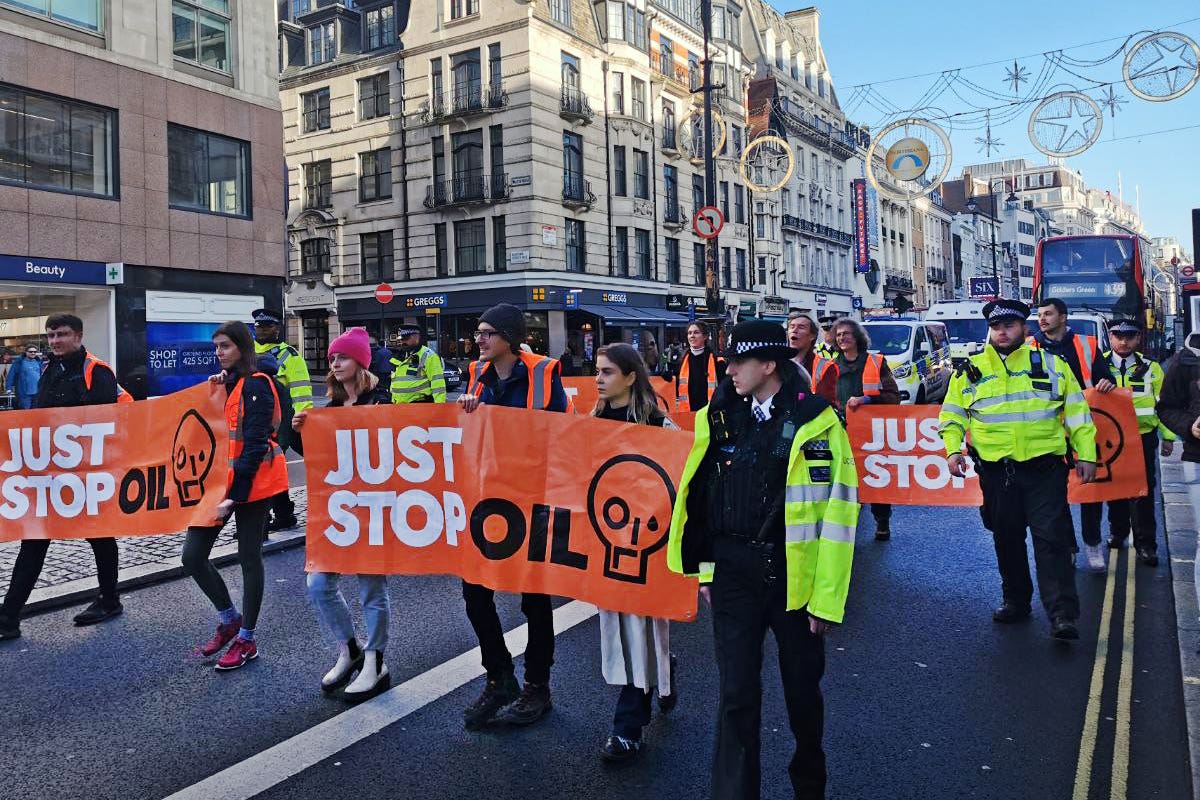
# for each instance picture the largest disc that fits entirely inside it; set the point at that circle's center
(1119, 783)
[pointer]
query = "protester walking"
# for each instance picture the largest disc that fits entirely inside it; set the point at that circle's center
(766, 516)
(700, 370)
(822, 371)
(635, 651)
(506, 375)
(864, 378)
(257, 473)
(1179, 409)
(293, 375)
(351, 383)
(22, 378)
(418, 375)
(73, 377)
(1017, 406)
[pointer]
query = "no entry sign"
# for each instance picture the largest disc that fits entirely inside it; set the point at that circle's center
(383, 293)
(708, 222)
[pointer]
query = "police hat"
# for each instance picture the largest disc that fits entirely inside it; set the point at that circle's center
(1124, 326)
(266, 316)
(1005, 310)
(758, 338)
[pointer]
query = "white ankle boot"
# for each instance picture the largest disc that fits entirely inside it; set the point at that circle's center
(342, 670)
(372, 678)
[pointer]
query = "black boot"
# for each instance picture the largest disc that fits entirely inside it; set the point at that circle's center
(1064, 629)
(10, 627)
(1010, 612)
(533, 704)
(497, 693)
(98, 611)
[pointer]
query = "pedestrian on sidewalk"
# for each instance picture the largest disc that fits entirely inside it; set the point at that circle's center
(23, 376)
(351, 383)
(1134, 371)
(766, 515)
(864, 378)
(257, 473)
(506, 375)
(822, 372)
(73, 377)
(1179, 409)
(1019, 406)
(635, 651)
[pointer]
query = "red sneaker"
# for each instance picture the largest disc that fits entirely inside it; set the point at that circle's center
(224, 635)
(238, 654)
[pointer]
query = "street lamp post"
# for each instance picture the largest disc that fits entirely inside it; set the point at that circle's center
(973, 207)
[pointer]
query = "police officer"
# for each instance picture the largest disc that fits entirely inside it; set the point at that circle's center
(766, 515)
(1019, 405)
(1144, 377)
(826, 347)
(417, 372)
(293, 374)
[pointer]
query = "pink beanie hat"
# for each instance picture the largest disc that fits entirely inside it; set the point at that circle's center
(353, 343)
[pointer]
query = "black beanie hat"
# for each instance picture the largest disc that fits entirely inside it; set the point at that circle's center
(509, 321)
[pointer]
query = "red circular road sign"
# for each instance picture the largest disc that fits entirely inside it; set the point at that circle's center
(1187, 270)
(384, 293)
(708, 222)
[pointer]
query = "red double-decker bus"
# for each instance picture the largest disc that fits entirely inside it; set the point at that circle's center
(1105, 274)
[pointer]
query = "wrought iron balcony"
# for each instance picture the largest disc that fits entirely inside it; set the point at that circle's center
(674, 215)
(791, 222)
(465, 100)
(898, 282)
(577, 192)
(670, 137)
(574, 105)
(936, 275)
(468, 189)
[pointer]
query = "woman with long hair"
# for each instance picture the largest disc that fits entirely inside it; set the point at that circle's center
(634, 650)
(351, 383)
(257, 472)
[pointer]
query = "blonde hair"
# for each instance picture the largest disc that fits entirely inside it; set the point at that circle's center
(365, 382)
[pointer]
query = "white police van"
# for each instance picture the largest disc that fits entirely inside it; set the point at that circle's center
(918, 353)
(965, 326)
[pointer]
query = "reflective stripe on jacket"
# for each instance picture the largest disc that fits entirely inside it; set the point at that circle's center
(90, 362)
(541, 380)
(1145, 380)
(293, 372)
(682, 403)
(820, 515)
(424, 381)
(1021, 407)
(271, 478)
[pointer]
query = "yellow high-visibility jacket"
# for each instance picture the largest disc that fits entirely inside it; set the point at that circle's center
(293, 372)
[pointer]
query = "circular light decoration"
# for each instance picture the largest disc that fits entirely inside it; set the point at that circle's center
(1065, 124)
(770, 155)
(685, 130)
(1162, 66)
(904, 155)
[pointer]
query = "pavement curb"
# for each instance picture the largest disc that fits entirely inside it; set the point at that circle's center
(65, 594)
(1179, 520)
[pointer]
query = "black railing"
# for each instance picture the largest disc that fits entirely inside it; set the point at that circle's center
(573, 104)
(791, 222)
(577, 192)
(673, 213)
(468, 188)
(466, 99)
(669, 138)
(898, 282)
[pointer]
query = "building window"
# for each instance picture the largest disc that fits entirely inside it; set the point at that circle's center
(641, 174)
(496, 142)
(762, 270)
(739, 204)
(439, 250)
(741, 269)
(80, 13)
(300, 7)
(207, 172)
(200, 31)
(499, 245)
(374, 96)
(726, 267)
(616, 19)
(377, 265)
(637, 92)
(57, 144)
(673, 260)
(375, 175)
(560, 11)
(699, 257)
(760, 220)
(322, 44)
(318, 184)
(573, 187)
(467, 164)
(576, 246)
(641, 246)
(467, 73)
(666, 56)
(315, 107)
(314, 256)
(671, 192)
(618, 97)
(620, 187)
(697, 192)
(470, 247)
(381, 27)
(463, 8)
(621, 262)
(495, 73)
(723, 188)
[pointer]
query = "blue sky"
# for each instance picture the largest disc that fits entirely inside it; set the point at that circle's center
(866, 42)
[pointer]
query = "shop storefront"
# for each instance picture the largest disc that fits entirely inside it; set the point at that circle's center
(311, 310)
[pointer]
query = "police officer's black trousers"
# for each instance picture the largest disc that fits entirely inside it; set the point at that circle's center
(1031, 494)
(1138, 512)
(749, 596)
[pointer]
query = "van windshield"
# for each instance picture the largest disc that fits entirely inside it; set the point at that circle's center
(891, 340)
(966, 331)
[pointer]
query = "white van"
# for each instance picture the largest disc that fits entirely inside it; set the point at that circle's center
(965, 325)
(918, 354)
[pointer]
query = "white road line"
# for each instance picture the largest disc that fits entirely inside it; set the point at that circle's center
(292, 756)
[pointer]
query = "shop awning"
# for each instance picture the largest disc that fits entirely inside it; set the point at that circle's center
(632, 315)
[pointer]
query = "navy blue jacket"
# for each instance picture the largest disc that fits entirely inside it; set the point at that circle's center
(513, 392)
(259, 406)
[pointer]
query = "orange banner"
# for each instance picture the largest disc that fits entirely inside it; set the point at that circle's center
(583, 392)
(129, 469)
(512, 499)
(901, 459)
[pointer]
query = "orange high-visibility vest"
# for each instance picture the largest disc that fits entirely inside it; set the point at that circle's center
(682, 403)
(541, 371)
(90, 363)
(271, 478)
(820, 367)
(1085, 349)
(872, 375)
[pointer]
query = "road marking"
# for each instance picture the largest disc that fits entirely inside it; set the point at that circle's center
(1124, 723)
(1091, 717)
(289, 758)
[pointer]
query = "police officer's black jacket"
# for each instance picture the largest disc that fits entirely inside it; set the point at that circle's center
(62, 386)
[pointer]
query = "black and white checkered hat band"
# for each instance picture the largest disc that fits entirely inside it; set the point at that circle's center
(1125, 326)
(745, 347)
(999, 312)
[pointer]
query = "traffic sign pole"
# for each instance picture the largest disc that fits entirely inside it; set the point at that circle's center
(384, 294)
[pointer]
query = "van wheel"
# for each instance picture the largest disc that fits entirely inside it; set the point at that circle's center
(921, 396)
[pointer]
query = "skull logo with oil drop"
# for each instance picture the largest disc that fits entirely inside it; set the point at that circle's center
(192, 456)
(631, 533)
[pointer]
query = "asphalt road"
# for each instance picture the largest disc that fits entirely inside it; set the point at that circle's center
(925, 697)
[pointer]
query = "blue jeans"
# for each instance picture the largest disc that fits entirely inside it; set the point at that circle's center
(335, 614)
(25, 401)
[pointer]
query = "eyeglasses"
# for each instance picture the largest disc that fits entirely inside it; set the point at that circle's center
(485, 335)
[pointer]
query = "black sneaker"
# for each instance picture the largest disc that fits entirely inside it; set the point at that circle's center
(1065, 629)
(1009, 613)
(10, 628)
(1147, 556)
(497, 693)
(98, 611)
(667, 702)
(282, 524)
(533, 704)
(618, 749)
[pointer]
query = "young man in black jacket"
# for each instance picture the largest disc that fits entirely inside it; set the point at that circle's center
(66, 382)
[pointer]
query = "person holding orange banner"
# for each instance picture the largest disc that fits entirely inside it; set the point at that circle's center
(505, 375)
(766, 516)
(351, 383)
(257, 473)
(1018, 406)
(635, 651)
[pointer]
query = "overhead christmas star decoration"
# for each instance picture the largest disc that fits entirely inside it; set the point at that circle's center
(1016, 75)
(1162, 67)
(1113, 101)
(987, 143)
(1065, 124)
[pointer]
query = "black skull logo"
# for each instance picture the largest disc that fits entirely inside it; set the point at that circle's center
(192, 455)
(630, 535)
